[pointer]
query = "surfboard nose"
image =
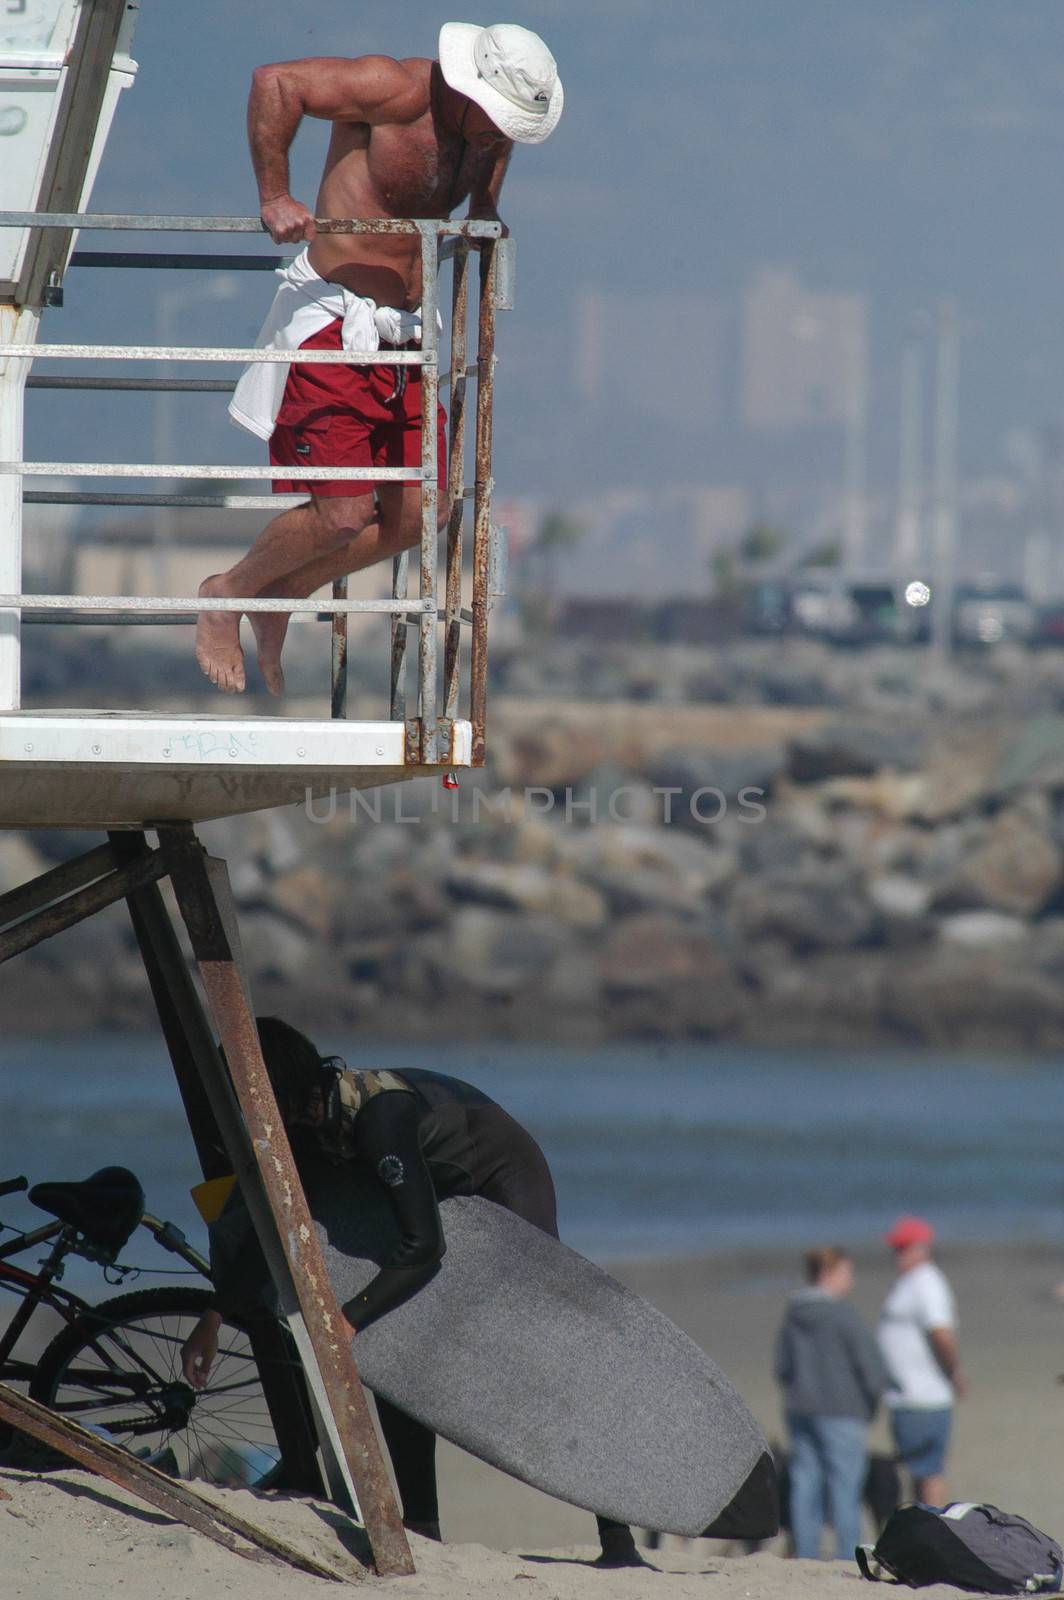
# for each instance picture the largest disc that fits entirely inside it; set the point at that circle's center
(754, 1512)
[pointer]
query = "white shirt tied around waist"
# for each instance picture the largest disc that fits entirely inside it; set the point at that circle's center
(303, 305)
(920, 1300)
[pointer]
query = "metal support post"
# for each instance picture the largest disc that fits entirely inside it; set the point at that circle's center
(456, 480)
(400, 586)
(339, 653)
(69, 156)
(430, 388)
(277, 1204)
(196, 1063)
(17, 326)
(482, 486)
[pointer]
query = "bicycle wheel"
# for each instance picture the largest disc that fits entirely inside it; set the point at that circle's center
(118, 1369)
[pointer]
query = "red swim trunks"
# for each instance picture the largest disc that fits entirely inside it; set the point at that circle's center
(333, 415)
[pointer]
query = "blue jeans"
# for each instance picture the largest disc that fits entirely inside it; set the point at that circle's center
(829, 1459)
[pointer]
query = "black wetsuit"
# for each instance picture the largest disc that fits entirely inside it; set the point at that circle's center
(445, 1138)
(442, 1139)
(427, 1136)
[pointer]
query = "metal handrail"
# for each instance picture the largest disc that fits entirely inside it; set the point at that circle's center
(151, 352)
(108, 221)
(439, 238)
(194, 604)
(172, 469)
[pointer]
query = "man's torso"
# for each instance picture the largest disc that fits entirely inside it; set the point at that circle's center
(414, 168)
(921, 1299)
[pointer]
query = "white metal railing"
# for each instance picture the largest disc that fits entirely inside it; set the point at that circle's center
(438, 240)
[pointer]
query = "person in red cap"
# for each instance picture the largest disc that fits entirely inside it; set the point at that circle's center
(918, 1339)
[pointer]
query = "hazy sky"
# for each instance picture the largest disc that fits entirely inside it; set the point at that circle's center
(908, 149)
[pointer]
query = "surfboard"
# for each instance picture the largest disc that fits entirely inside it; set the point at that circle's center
(532, 1358)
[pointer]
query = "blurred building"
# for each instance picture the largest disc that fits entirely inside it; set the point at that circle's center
(804, 353)
(661, 356)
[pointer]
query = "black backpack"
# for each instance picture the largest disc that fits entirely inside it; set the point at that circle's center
(970, 1546)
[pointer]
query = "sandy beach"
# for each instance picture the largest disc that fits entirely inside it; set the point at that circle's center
(66, 1534)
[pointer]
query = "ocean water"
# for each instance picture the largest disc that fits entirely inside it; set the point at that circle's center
(655, 1151)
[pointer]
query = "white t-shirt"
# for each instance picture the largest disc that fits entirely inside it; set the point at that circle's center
(919, 1301)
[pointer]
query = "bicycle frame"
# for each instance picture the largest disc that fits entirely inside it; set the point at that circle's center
(41, 1288)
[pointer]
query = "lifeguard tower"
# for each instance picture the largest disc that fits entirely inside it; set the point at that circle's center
(134, 772)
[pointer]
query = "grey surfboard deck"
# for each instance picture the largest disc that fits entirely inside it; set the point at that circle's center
(532, 1358)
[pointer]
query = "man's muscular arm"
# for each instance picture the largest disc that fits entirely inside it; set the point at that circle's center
(487, 185)
(370, 89)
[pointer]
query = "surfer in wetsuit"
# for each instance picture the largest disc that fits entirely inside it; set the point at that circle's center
(425, 1136)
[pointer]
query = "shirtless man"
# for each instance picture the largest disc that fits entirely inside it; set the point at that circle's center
(410, 138)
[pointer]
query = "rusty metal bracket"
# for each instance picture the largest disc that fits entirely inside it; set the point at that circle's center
(167, 1495)
(276, 1201)
(339, 653)
(413, 752)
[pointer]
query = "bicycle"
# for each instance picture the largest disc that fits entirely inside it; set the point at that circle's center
(116, 1366)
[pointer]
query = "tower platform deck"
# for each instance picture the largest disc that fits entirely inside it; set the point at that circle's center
(123, 769)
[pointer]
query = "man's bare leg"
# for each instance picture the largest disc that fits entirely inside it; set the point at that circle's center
(291, 541)
(398, 528)
(931, 1491)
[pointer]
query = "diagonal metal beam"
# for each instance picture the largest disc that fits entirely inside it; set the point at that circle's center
(54, 884)
(283, 1224)
(167, 1495)
(115, 885)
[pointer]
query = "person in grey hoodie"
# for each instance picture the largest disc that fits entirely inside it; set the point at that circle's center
(832, 1376)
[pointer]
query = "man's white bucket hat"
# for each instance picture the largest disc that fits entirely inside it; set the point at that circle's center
(509, 72)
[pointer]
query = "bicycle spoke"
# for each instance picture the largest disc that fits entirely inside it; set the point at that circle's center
(126, 1378)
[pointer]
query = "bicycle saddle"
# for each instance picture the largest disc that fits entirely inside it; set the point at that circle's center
(105, 1208)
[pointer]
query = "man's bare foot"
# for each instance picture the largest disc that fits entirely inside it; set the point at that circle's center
(270, 629)
(218, 640)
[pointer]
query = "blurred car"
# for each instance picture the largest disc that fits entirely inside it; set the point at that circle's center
(989, 612)
(824, 610)
(1049, 625)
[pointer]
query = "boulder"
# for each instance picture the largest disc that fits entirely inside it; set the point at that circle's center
(699, 775)
(687, 866)
(525, 887)
(1033, 759)
(982, 930)
(897, 895)
(610, 794)
(805, 911)
(953, 997)
(776, 845)
(1015, 868)
(833, 998)
(495, 952)
(856, 749)
(652, 952)
(660, 979)
(275, 948)
(307, 896)
(895, 796)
